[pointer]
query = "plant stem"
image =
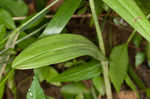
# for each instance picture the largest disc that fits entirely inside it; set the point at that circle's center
(102, 47)
(131, 36)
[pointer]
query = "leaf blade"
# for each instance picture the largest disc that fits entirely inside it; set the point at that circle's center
(35, 91)
(62, 17)
(55, 49)
(135, 18)
(118, 62)
(6, 19)
(78, 73)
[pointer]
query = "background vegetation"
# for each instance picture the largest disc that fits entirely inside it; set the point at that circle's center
(74, 49)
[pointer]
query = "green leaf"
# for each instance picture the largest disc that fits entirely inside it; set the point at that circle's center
(6, 19)
(2, 89)
(78, 73)
(40, 4)
(99, 84)
(79, 96)
(118, 65)
(34, 24)
(2, 32)
(32, 21)
(46, 73)
(135, 18)
(2, 36)
(55, 49)
(136, 79)
(24, 44)
(73, 89)
(144, 5)
(62, 17)
(16, 7)
(148, 92)
(131, 85)
(35, 91)
(139, 58)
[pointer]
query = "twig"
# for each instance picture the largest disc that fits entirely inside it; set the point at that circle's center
(51, 16)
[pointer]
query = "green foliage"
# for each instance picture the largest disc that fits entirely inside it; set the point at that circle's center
(118, 65)
(84, 71)
(46, 73)
(139, 58)
(2, 32)
(2, 89)
(137, 39)
(2, 35)
(6, 19)
(55, 49)
(24, 44)
(135, 78)
(135, 18)
(144, 5)
(62, 17)
(15, 7)
(131, 85)
(99, 84)
(42, 53)
(40, 4)
(34, 24)
(70, 91)
(35, 91)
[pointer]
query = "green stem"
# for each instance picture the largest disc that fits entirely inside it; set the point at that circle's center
(102, 47)
(24, 38)
(131, 36)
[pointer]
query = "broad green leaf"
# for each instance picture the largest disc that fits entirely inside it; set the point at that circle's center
(82, 72)
(46, 73)
(55, 49)
(135, 18)
(144, 5)
(35, 91)
(16, 7)
(6, 19)
(139, 58)
(99, 84)
(62, 17)
(118, 65)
